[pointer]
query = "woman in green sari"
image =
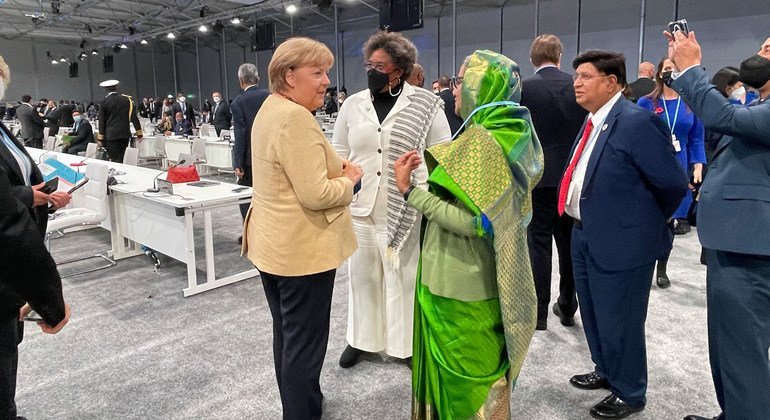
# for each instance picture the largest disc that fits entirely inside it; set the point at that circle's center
(475, 308)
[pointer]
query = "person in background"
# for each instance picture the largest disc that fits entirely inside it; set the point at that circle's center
(417, 77)
(83, 134)
(244, 108)
(475, 307)
(435, 87)
(166, 124)
(298, 229)
(187, 110)
(92, 111)
(220, 113)
(182, 126)
(687, 136)
(373, 129)
(330, 105)
(51, 118)
(31, 123)
(622, 185)
(557, 118)
(445, 92)
(116, 115)
(645, 84)
(734, 227)
(65, 118)
(144, 108)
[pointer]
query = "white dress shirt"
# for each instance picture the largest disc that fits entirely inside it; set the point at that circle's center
(578, 176)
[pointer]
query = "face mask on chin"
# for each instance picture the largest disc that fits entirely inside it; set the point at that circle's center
(755, 71)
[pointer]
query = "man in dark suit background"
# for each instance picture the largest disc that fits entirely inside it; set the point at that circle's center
(220, 113)
(445, 92)
(65, 118)
(115, 116)
(621, 186)
(244, 108)
(644, 85)
(550, 98)
(187, 110)
(83, 133)
(734, 228)
(31, 123)
(182, 127)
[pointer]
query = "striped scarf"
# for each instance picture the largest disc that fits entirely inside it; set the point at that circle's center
(409, 132)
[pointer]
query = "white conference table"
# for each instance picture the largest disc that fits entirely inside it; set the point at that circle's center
(164, 222)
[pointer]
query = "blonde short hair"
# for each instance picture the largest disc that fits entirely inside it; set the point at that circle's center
(295, 53)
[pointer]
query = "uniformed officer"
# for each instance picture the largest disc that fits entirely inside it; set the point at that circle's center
(115, 115)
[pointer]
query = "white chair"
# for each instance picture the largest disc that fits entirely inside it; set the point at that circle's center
(46, 130)
(131, 157)
(159, 149)
(90, 150)
(94, 211)
(50, 143)
(198, 151)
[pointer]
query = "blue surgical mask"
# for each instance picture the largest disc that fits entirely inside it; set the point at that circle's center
(77, 118)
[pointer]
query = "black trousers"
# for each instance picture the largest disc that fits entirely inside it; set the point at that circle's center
(11, 333)
(36, 143)
(545, 225)
(738, 301)
(245, 180)
(116, 148)
(301, 307)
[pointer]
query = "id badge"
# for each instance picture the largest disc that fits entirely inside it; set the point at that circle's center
(675, 142)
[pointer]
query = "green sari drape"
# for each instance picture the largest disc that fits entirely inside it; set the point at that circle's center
(468, 353)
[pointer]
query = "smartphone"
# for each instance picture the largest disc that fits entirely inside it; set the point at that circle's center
(240, 189)
(357, 187)
(77, 186)
(33, 316)
(679, 25)
(51, 185)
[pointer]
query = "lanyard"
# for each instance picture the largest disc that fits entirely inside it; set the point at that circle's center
(676, 114)
(489, 105)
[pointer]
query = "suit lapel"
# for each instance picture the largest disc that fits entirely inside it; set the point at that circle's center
(604, 133)
(11, 160)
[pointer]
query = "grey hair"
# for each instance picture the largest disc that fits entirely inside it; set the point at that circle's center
(248, 74)
(401, 50)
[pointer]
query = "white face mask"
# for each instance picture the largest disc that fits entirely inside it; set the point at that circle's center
(738, 93)
(181, 99)
(217, 99)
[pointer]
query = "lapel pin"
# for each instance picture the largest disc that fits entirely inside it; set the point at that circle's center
(604, 127)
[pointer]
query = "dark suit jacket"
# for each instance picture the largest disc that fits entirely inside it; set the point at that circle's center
(31, 122)
(114, 117)
(222, 117)
(83, 133)
(189, 112)
(52, 121)
(641, 87)
(557, 118)
(734, 208)
(244, 109)
(633, 184)
(455, 122)
(183, 128)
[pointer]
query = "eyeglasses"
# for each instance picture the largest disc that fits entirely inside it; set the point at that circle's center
(380, 67)
(587, 77)
(456, 81)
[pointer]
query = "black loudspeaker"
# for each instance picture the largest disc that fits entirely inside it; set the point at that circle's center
(108, 64)
(400, 15)
(73, 69)
(262, 36)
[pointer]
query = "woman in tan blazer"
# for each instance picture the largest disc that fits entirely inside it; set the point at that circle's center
(298, 229)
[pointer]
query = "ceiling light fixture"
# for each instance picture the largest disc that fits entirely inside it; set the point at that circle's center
(54, 62)
(235, 21)
(123, 46)
(291, 9)
(170, 35)
(94, 52)
(144, 42)
(203, 29)
(63, 60)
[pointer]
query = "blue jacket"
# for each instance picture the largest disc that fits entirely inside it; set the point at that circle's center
(632, 186)
(734, 209)
(244, 108)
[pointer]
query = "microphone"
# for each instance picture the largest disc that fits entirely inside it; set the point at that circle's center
(82, 162)
(155, 188)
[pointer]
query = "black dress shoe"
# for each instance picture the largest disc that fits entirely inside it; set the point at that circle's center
(567, 321)
(662, 280)
(589, 381)
(613, 407)
(350, 356)
(682, 227)
(542, 324)
(694, 417)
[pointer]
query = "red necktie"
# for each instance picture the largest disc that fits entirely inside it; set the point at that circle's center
(564, 187)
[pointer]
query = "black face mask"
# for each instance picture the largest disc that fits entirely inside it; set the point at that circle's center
(666, 77)
(376, 80)
(755, 71)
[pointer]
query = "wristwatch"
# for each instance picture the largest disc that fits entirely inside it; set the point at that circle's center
(408, 191)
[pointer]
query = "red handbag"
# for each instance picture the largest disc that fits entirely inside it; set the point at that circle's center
(178, 174)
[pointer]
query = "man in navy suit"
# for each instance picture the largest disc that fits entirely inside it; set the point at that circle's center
(622, 184)
(550, 98)
(83, 134)
(182, 126)
(734, 228)
(244, 108)
(455, 122)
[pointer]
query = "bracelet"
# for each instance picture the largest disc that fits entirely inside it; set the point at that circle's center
(408, 191)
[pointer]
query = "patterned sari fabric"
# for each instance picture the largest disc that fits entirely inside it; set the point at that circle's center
(468, 354)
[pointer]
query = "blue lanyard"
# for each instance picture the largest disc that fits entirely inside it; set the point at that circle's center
(676, 115)
(489, 105)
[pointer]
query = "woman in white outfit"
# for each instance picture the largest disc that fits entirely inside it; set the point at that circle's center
(374, 127)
